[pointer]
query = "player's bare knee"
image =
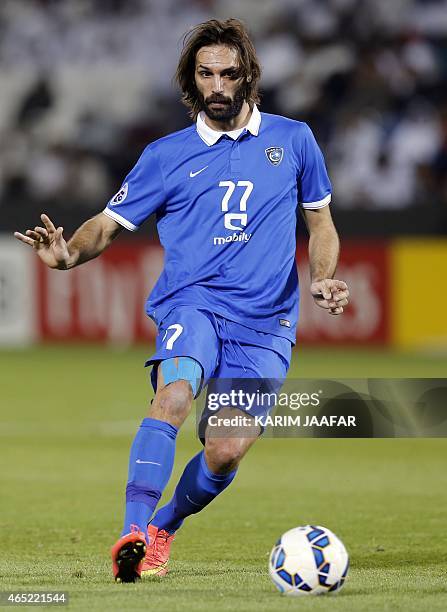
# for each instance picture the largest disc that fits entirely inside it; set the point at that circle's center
(223, 455)
(173, 402)
(176, 398)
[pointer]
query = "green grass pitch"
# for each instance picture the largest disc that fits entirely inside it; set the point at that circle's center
(67, 420)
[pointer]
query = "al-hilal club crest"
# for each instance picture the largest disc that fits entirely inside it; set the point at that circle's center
(275, 155)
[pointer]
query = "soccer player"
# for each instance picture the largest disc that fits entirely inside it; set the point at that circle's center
(225, 192)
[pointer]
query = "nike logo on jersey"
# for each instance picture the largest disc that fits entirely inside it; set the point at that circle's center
(193, 174)
(152, 462)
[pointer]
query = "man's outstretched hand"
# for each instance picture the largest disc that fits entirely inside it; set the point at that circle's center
(330, 294)
(48, 243)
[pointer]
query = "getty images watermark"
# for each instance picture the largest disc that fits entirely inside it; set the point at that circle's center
(359, 408)
(254, 405)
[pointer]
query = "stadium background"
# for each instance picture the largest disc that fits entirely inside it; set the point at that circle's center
(85, 86)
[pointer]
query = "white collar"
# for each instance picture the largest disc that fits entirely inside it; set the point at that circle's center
(210, 136)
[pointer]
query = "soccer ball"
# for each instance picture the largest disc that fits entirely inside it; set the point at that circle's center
(308, 560)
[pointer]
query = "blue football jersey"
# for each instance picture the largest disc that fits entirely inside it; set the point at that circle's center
(226, 207)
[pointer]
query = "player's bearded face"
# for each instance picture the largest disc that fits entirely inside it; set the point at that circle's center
(228, 107)
(220, 86)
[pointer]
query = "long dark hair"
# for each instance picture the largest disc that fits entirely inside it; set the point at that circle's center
(231, 33)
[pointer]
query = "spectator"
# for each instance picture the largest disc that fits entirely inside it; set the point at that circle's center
(369, 77)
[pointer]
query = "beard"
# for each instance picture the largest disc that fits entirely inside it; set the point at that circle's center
(230, 109)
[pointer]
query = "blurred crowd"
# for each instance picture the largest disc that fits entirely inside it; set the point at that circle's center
(87, 83)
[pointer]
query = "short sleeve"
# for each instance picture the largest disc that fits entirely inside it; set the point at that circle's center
(141, 193)
(314, 186)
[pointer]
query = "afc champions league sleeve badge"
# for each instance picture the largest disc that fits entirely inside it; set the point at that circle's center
(275, 155)
(120, 196)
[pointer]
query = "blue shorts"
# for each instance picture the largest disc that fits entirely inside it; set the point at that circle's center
(224, 349)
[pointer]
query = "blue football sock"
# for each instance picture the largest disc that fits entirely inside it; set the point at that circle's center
(150, 467)
(197, 487)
